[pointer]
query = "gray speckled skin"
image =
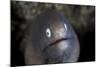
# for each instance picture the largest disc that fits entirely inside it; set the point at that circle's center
(62, 46)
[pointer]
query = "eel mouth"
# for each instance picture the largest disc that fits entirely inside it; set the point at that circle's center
(54, 43)
(59, 58)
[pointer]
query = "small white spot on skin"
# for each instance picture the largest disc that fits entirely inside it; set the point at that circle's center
(48, 32)
(65, 26)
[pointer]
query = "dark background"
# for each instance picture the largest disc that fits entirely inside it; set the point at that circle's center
(82, 18)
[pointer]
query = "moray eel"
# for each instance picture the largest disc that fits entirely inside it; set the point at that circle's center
(51, 40)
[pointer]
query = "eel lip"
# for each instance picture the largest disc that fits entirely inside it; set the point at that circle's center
(57, 41)
(57, 57)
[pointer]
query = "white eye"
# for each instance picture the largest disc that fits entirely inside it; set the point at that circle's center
(48, 32)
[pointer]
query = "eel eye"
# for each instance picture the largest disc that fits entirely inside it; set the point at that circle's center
(48, 32)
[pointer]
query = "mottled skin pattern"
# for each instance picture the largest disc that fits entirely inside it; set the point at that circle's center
(59, 45)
